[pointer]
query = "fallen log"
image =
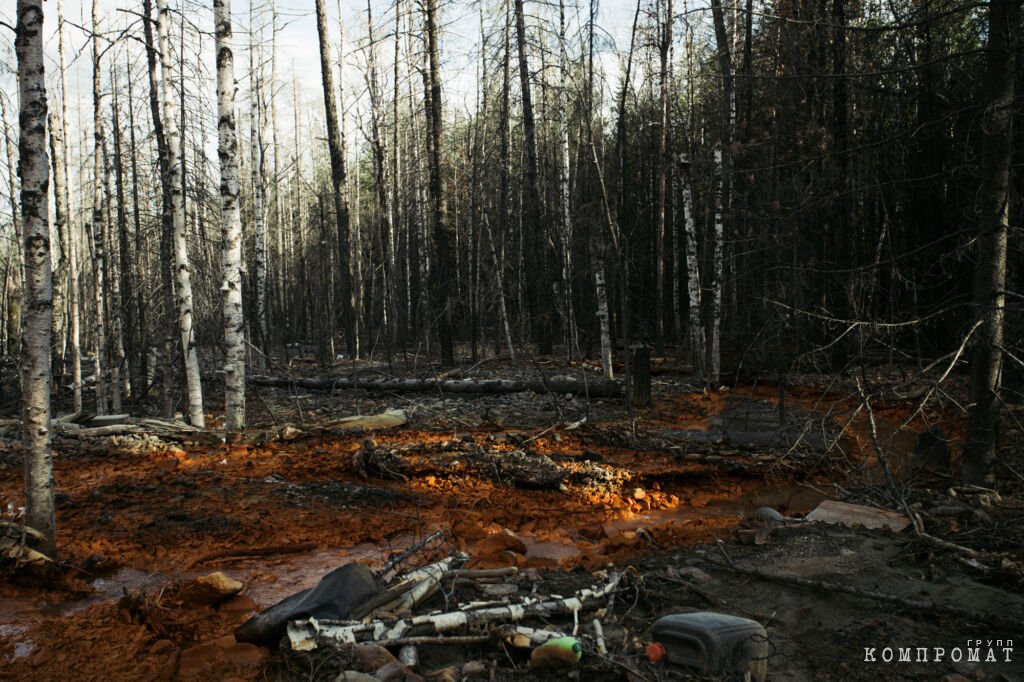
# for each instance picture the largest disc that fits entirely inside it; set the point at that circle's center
(598, 388)
(248, 552)
(305, 635)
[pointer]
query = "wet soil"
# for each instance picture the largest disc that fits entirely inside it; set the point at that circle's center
(579, 482)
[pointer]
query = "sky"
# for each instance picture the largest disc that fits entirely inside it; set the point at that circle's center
(297, 50)
(297, 46)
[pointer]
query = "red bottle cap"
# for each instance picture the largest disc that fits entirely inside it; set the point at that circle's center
(655, 652)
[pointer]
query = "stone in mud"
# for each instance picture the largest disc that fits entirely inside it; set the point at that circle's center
(237, 606)
(369, 658)
(396, 672)
(220, 653)
(210, 589)
(475, 670)
(338, 594)
(496, 546)
(593, 531)
(449, 674)
(769, 515)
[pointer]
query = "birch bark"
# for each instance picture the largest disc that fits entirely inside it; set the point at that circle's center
(231, 222)
(183, 277)
(33, 171)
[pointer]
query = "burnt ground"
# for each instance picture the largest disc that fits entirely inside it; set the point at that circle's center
(138, 516)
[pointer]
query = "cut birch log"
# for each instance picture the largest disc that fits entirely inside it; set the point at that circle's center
(305, 635)
(599, 388)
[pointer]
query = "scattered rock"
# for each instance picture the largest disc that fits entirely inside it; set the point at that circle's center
(694, 573)
(449, 674)
(369, 658)
(769, 515)
(210, 589)
(237, 605)
(354, 676)
(497, 546)
(218, 653)
(396, 672)
(593, 531)
(475, 670)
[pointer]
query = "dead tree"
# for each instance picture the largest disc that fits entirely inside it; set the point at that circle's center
(993, 229)
(97, 226)
(183, 277)
(444, 232)
(340, 196)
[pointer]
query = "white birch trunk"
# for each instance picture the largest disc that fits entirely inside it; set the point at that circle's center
(696, 304)
(603, 317)
(33, 170)
(563, 185)
(98, 224)
(714, 351)
(231, 223)
(183, 278)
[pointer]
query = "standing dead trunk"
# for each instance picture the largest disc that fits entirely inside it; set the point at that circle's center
(340, 196)
(563, 186)
(97, 226)
(33, 171)
(664, 47)
(71, 242)
(993, 227)
(166, 218)
(696, 303)
(12, 293)
(444, 231)
(536, 266)
(258, 174)
(120, 274)
(60, 194)
(380, 171)
(231, 223)
(140, 363)
(183, 277)
(723, 172)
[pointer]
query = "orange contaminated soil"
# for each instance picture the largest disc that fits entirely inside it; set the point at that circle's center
(138, 524)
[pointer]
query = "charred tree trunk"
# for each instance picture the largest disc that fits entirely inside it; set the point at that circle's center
(444, 231)
(166, 217)
(536, 266)
(993, 227)
(335, 145)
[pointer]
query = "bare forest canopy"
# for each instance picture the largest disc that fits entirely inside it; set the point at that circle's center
(785, 185)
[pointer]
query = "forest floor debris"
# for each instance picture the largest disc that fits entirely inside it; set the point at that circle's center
(550, 493)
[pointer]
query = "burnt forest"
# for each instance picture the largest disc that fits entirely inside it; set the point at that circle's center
(512, 340)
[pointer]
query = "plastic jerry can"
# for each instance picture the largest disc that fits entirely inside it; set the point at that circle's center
(714, 644)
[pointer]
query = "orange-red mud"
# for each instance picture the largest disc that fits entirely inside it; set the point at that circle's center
(137, 522)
